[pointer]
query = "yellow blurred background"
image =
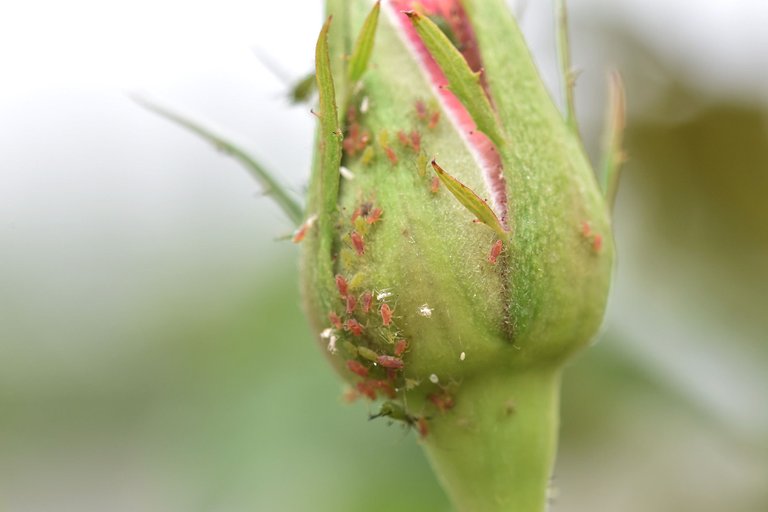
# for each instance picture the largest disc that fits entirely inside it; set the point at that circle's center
(153, 355)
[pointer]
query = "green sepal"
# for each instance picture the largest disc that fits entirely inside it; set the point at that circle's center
(462, 81)
(361, 53)
(272, 186)
(568, 79)
(613, 153)
(471, 201)
(324, 187)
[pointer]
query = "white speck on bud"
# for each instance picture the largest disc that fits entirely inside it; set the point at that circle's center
(383, 294)
(425, 310)
(326, 334)
(332, 344)
(462, 356)
(364, 105)
(434, 379)
(346, 173)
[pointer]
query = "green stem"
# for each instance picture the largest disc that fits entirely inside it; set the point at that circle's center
(494, 451)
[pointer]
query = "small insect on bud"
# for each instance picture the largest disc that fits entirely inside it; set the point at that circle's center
(368, 354)
(357, 368)
(351, 303)
(357, 242)
(342, 285)
(390, 362)
(495, 251)
(374, 216)
(366, 389)
(299, 234)
(434, 185)
(366, 300)
(386, 314)
(335, 320)
(400, 347)
(354, 327)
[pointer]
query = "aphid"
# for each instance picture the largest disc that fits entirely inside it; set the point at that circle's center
(350, 395)
(397, 412)
(300, 233)
(435, 185)
(403, 138)
(354, 327)
(368, 354)
(374, 216)
(357, 242)
(384, 386)
(495, 251)
(357, 368)
(383, 138)
(366, 389)
(416, 141)
(335, 320)
(421, 110)
(386, 314)
(392, 362)
(391, 155)
(368, 155)
(442, 401)
(434, 119)
(421, 164)
(597, 242)
(366, 301)
(401, 346)
(356, 281)
(342, 285)
(351, 303)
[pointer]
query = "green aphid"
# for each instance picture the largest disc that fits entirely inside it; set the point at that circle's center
(368, 155)
(368, 354)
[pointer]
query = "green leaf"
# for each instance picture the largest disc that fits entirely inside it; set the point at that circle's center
(613, 153)
(463, 82)
(272, 186)
(471, 201)
(361, 53)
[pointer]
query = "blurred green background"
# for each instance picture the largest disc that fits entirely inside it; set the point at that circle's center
(153, 354)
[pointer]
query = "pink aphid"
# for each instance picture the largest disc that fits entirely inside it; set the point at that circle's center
(357, 368)
(495, 251)
(401, 346)
(391, 155)
(597, 242)
(415, 141)
(351, 303)
(342, 285)
(421, 110)
(335, 320)
(434, 119)
(374, 216)
(403, 138)
(354, 327)
(390, 362)
(435, 185)
(357, 243)
(366, 389)
(386, 314)
(366, 301)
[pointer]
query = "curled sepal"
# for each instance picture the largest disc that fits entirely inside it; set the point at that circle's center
(613, 153)
(462, 81)
(361, 53)
(471, 201)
